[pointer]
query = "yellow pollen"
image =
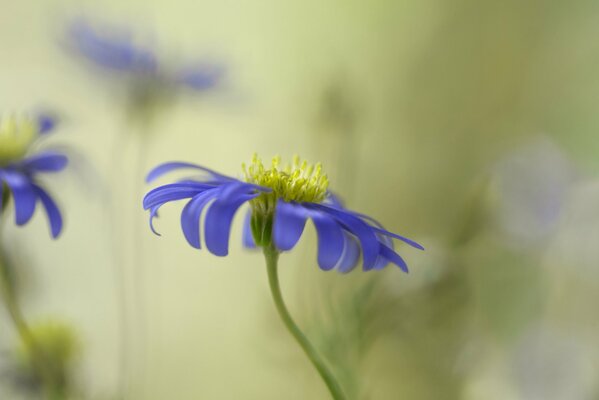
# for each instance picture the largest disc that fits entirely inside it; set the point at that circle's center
(16, 135)
(297, 181)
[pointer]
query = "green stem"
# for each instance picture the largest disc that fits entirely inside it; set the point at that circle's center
(272, 256)
(38, 358)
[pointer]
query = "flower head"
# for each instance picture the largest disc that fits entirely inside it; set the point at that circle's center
(61, 347)
(115, 48)
(281, 200)
(19, 171)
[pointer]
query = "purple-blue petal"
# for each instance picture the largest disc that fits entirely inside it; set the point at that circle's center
(234, 189)
(330, 240)
(351, 254)
(171, 166)
(394, 258)
(52, 211)
(46, 123)
(368, 239)
(24, 196)
(218, 223)
(247, 236)
(396, 236)
(288, 225)
(334, 200)
(190, 217)
(45, 162)
(154, 214)
(201, 77)
(171, 192)
(115, 52)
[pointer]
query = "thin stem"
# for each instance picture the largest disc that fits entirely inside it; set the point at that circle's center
(38, 358)
(272, 256)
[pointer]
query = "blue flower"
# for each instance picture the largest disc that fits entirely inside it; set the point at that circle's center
(19, 170)
(281, 201)
(114, 48)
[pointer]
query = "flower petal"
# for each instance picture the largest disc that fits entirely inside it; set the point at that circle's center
(172, 192)
(364, 232)
(45, 162)
(402, 238)
(218, 223)
(154, 214)
(248, 236)
(23, 194)
(46, 123)
(171, 166)
(52, 210)
(190, 217)
(330, 240)
(394, 258)
(115, 51)
(288, 225)
(351, 254)
(201, 77)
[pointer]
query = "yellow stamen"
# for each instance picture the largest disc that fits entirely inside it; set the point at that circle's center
(298, 181)
(16, 135)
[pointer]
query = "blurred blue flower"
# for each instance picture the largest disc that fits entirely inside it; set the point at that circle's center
(114, 48)
(281, 202)
(19, 171)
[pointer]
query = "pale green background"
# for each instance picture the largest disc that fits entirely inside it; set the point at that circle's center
(440, 91)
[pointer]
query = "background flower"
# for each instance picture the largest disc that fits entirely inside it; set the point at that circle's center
(20, 171)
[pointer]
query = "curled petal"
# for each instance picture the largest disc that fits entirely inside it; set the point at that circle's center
(288, 226)
(402, 238)
(394, 258)
(378, 226)
(351, 254)
(330, 240)
(172, 192)
(218, 223)
(154, 214)
(52, 211)
(368, 239)
(171, 166)
(190, 217)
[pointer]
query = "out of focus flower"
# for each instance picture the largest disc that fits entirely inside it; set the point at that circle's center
(19, 171)
(60, 347)
(281, 200)
(529, 188)
(549, 364)
(115, 49)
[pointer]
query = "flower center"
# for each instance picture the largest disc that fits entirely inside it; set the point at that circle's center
(299, 182)
(16, 135)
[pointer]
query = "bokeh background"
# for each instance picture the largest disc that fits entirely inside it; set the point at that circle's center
(468, 126)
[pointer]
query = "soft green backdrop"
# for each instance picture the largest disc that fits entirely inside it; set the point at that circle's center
(410, 105)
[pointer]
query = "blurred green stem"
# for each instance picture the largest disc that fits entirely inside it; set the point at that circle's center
(272, 257)
(38, 359)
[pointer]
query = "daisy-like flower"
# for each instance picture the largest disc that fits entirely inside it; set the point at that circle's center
(281, 200)
(19, 170)
(115, 49)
